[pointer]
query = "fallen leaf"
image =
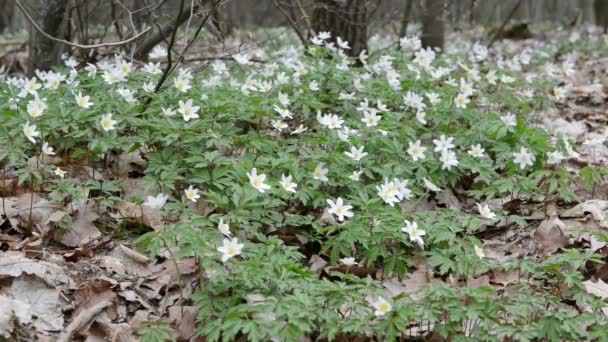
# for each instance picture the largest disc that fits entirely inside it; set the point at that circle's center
(595, 207)
(14, 264)
(599, 289)
(82, 230)
(550, 234)
(36, 302)
(184, 320)
(447, 198)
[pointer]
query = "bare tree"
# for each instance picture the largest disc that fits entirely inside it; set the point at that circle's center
(405, 18)
(433, 24)
(600, 8)
(6, 15)
(50, 16)
(346, 19)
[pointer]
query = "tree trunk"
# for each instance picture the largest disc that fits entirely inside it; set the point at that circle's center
(45, 53)
(600, 9)
(407, 9)
(433, 24)
(344, 18)
(6, 15)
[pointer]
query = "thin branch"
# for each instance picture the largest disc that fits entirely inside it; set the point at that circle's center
(504, 23)
(80, 46)
(277, 4)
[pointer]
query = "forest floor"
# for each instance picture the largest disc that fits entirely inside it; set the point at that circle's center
(92, 283)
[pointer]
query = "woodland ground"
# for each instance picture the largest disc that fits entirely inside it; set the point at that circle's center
(78, 273)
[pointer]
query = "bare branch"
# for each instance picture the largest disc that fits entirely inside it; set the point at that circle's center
(277, 4)
(76, 45)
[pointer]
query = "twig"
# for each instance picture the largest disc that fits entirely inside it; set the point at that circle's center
(76, 45)
(83, 319)
(504, 23)
(277, 4)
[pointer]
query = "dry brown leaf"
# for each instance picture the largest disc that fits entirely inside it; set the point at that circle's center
(447, 198)
(18, 211)
(168, 275)
(184, 320)
(141, 214)
(550, 234)
(36, 302)
(14, 264)
(317, 263)
(82, 230)
(124, 265)
(595, 207)
(599, 289)
(512, 277)
(96, 291)
(474, 283)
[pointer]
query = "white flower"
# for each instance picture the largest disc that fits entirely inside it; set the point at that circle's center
(288, 184)
(257, 181)
(187, 110)
(284, 99)
(83, 101)
(356, 153)
(479, 252)
(36, 107)
(156, 202)
(570, 150)
(523, 158)
(394, 191)
(485, 211)
(461, 101)
(230, 248)
(320, 173)
(283, 112)
(148, 87)
(152, 68)
(443, 144)
(594, 140)
(433, 98)
(420, 117)
(555, 157)
(382, 307)
(168, 111)
(448, 158)
(107, 123)
(476, 151)
(342, 44)
(509, 120)
(313, 86)
(355, 175)
(299, 129)
(59, 172)
(416, 151)
(30, 132)
(192, 193)
(224, 228)
(47, 150)
(182, 84)
(339, 209)
(429, 185)
(415, 234)
(241, 58)
(559, 93)
(506, 79)
(331, 121)
(348, 262)
(371, 119)
(279, 124)
(158, 52)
